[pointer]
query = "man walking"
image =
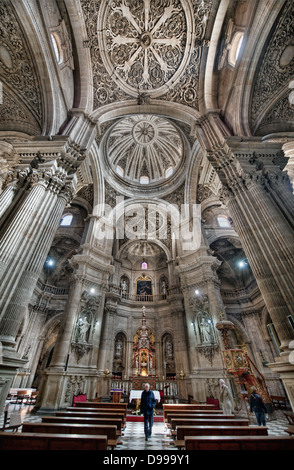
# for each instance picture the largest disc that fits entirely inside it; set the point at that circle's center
(257, 405)
(148, 403)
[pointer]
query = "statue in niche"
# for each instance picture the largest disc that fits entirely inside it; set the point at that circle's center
(169, 354)
(204, 324)
(163, 287)
(205, 331)
(82, 329)
(118, 348)
(124, 287)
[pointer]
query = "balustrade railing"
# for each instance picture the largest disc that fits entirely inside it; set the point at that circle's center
(168, 387)
(150, 298)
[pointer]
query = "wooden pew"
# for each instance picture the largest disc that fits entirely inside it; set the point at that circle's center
(84, 414)
(94, 404)
(208, 422)
(62, 428)
(186, 431)
(192, 412)
(181, 406)
(239, 443)
(34, 441)
(114, 412)
(79, 420)
(192, 415)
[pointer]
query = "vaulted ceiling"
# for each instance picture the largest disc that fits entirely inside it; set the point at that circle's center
(148, 53)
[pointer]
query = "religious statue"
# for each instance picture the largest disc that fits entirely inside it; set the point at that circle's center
(123, 286)
(83, 327)
(205, 331)
(118, 348)
(164, 289)
(169, 349)
(226, 398)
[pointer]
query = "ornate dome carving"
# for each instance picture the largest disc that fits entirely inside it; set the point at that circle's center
(145, 44)
(144, 148)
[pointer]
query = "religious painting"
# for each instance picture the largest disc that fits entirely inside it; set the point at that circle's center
(144, 286)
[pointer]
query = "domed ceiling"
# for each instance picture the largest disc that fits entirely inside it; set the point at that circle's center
(146, 47)
(144, 149)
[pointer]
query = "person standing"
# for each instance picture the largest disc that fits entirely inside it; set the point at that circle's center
(148, 403)
(258, 407)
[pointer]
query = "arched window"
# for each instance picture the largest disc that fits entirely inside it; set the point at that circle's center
(169, 171)
(144, 265)
(235, 47)
(66, 220)
(223, 221)
(56, 47)
(119, 170)
(144, 179)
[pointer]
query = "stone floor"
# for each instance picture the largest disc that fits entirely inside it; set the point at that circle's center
(133, 437)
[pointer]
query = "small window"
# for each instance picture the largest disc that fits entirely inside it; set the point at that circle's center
(120, 171)
(66, 220)
(56, 47)
(169, 171)
(235, 47)
(223, 222)
(144, 265)
(144, 179)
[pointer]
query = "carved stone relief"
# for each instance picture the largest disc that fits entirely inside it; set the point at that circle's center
(17, 70)
(146, 48)
(277, 67)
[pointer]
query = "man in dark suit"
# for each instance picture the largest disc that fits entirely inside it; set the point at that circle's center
(148, 403)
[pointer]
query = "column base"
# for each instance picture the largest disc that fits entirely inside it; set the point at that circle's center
(285, 369)
(10, 362)
(58, 388)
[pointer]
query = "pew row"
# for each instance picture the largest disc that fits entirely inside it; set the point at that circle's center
(247, 443)
(195, 431)
(95, 412)
(188, 407)
(192, 415)
(192, 412)
(207, 422)
(97, 408)
(79, 420)
(40, 441)
(95, 404)
(62, 428)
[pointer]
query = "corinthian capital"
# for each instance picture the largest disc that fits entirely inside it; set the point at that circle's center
(68, 192)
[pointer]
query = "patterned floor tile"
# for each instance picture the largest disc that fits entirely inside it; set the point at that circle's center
(133, 437)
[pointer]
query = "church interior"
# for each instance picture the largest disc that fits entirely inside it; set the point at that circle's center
(147, 207)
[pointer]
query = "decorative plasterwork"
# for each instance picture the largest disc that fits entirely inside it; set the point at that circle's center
(17, 70)
(147, 48)
(275, 73)
(144, 45)
(144, 145)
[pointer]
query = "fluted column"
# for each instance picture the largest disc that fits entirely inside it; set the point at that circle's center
(13, 310)
(19, 236)
(13, 185)
(62, 346)
(265, 233)
(106, 346)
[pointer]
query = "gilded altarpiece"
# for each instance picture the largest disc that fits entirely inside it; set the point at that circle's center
(144, 350)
